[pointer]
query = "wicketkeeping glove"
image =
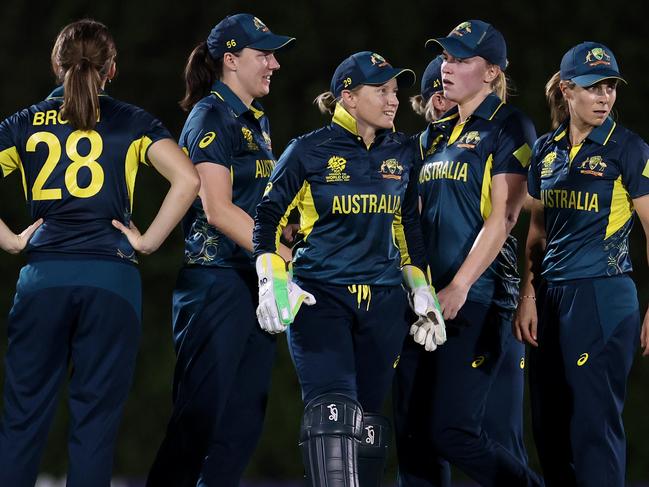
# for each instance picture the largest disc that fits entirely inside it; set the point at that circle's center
(279, 297)
(429, 330)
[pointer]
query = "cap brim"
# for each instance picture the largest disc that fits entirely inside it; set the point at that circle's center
(405, 77)
(586, 80)
(271, 42)
(451, 45)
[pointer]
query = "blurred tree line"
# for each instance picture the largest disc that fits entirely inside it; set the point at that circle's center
(153, 40)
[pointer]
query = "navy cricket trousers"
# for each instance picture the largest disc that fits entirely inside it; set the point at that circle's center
(221, 380)
(588, 333)
(82, 313)
(349, 341)
(463, 373)
(502, 382)
(413, 405)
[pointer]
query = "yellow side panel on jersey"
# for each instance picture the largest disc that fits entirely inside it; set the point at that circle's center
(523, 154)
(308, 213)
(485, 196)
(284, 220)
(135, 155)
(9, 162)
(621, 208)
(399, 239)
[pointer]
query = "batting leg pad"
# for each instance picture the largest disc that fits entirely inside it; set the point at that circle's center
(330, 433)
(373, 449)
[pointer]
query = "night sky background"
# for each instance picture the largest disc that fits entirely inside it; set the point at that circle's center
(153, 40)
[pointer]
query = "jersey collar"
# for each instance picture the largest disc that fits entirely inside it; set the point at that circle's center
(342, 118)
(223, 92)
(489, 107)
(58, 93)
(599, 135)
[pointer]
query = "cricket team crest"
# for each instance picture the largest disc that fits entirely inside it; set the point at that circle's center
(378, 60)
(594, 165)
(597, 56)
(469, 140)
(461, 30)
(266, 139)
(336, 166)
(259, 25)
(249, 138)
(546, 164)
(391, 169)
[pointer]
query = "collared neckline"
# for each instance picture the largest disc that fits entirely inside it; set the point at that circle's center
(58, 93)
(223, 92)
(486, 110)
(346, 121)
(599, 135)
(489, 107)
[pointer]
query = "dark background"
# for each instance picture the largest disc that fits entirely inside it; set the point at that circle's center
(153, 40)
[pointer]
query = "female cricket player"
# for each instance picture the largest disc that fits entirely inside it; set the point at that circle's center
(472, 188)
(579, 308)
(412, 399)
(224, 360)
(353, 184)
(78, 300)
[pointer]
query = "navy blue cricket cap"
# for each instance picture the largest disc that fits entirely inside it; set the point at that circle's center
(474, 38)
(588, 63)
(368, 68)
(431, 81)
(236, 32)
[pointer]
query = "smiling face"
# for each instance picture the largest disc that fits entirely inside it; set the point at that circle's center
(464, 79)
(592, 105)
(253, 70)
(373, 106)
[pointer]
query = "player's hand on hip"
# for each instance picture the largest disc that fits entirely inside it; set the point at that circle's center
(134, 237)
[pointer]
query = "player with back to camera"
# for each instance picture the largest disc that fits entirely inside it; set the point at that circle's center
(78, 299)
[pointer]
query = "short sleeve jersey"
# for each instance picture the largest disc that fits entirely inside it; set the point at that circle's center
(78, 181)
(357, 204)
(221, 130)
(458, 163)
(587, 193)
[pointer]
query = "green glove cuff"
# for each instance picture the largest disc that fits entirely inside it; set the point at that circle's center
(272, 268)
(413, 277)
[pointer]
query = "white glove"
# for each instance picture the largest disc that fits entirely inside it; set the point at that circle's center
(279, 297)
(428, 333)
(429, 330)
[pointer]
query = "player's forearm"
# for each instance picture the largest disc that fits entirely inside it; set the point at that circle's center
(485, 249)
(8, 239)
(179, 198)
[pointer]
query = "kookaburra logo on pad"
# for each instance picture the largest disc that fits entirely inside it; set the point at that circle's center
(370, 434)
(334, 412)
